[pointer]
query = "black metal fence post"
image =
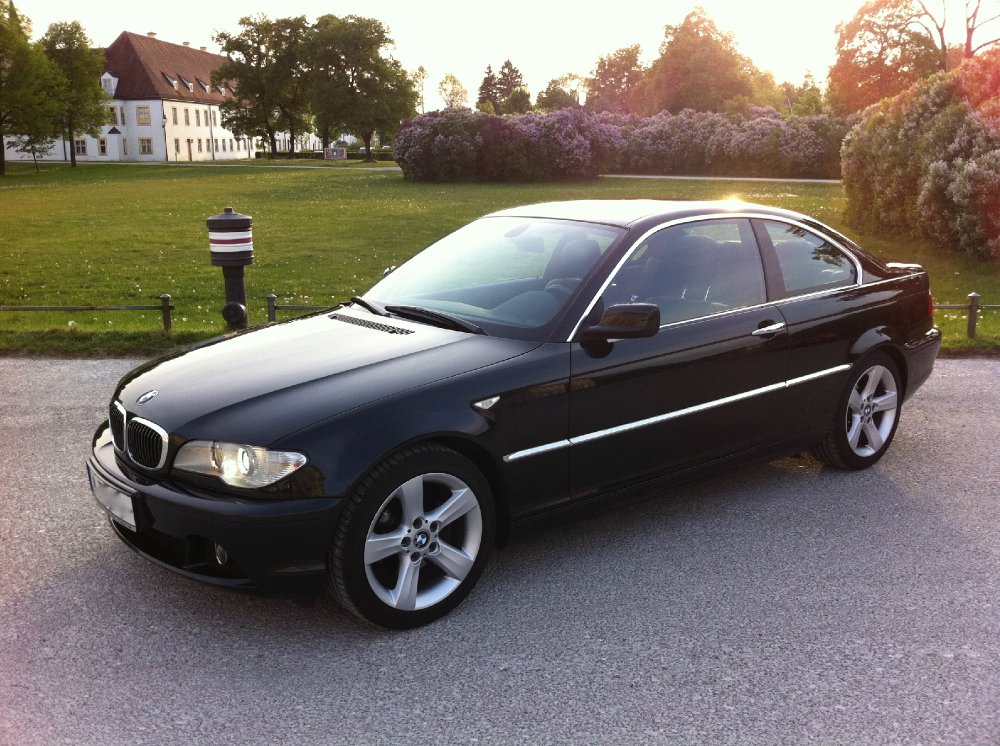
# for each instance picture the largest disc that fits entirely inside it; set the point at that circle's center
(272, 308)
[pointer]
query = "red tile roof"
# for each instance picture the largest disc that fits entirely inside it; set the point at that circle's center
(140, 62)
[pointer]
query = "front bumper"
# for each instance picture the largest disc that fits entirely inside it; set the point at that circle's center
(273, 546)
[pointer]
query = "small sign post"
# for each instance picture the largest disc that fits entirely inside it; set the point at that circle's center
(230, 239)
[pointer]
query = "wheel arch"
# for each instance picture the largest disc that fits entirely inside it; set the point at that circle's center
(880, 339)
(484, 461)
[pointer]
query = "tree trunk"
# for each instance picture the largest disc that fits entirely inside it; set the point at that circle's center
(272, 140)
(367, 137)
(3, 157)
(72, 146)
(325, 134)
(291, 142)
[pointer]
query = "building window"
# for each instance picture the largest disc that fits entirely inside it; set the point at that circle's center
(174, 112)
(232, 145)
(177, 145)
(214, 120)
(216, 146)
(197, 118)
(199, 144)
(124, 146)
(112, 115)
(145, 145)
(102, 146)
(123, 116)
(239, 145)
(142, 116)
(81, 147)
(223, 146)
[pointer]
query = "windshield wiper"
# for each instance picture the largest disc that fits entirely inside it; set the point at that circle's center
(375, 308)
(437, 318)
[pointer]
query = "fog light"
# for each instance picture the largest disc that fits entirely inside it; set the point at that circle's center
(221, 555)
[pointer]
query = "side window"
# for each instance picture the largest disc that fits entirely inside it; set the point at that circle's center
(808, 262)
(692, 270)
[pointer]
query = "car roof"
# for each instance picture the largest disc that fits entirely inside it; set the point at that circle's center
(627, 212)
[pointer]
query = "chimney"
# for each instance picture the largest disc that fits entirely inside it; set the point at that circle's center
(187, 44)
(202, 48)
(151, 33)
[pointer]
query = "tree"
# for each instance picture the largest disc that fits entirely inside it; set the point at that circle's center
(488, 91)
(82, 102)
(419, 78)
(264, 65)
(879, 54)
(518, 102)
(698, 68)
(508, 81)
(30, 88)
(613, 81)
(32, 126)
(453, 92)
(804, 100)
(561, 93)
(356, 84)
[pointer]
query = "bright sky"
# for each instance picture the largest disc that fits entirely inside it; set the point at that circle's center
(543, 39)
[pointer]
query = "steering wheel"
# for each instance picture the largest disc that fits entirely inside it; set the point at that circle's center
(562, 287)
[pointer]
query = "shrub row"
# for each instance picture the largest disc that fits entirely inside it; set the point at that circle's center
(927, 162)
(461, 145)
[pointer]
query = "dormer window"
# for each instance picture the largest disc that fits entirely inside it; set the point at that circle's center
(109, 83)
(204, 85)
(172, 81)
(188, 83)
(221, 89)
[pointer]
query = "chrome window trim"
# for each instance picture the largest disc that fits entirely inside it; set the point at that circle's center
(724, 216)
(635, 425)
(164, 437)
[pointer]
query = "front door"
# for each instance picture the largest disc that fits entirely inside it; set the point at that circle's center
(709, 384)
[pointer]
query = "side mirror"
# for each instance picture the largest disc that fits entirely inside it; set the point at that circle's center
(626, 321)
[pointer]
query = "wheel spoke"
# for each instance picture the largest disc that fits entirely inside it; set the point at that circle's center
(854, 403)
(874, 377)
(886, 402)
(460, 503)
(380, 546)
(874, 436)
(854, 431)
(411, 495)
(455, 562)
(404, 595)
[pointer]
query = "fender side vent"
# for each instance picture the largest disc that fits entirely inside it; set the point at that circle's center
(370, 324)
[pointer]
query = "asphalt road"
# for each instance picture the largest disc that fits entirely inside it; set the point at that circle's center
(783, 603)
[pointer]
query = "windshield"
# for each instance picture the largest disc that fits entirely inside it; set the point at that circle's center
(511, 276)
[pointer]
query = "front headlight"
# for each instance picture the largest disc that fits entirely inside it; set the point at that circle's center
(249, 467)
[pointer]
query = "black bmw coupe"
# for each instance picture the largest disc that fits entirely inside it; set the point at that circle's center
(536, 360)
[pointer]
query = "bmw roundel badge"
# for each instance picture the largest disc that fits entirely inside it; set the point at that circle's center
(146, 397)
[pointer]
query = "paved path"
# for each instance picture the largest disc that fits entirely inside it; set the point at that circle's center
(782, 603)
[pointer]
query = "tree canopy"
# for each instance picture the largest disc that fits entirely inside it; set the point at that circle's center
(700, 68)
(81, 102)
(613, 81)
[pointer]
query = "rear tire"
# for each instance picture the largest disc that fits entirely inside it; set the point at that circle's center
(867, 415)
(413, 538)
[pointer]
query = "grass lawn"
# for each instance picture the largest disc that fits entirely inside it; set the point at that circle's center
(121, 234)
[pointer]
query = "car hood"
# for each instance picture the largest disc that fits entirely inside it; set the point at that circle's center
(262, 385)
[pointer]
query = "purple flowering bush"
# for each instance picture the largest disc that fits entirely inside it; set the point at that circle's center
(570, 144)
(461, 145)
(927, 162)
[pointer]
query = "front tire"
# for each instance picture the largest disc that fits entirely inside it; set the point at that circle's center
(413, 538)
(867, 415)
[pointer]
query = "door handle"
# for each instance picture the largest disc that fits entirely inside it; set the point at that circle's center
(766, 331)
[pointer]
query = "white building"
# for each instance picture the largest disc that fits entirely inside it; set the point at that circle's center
(163, 108)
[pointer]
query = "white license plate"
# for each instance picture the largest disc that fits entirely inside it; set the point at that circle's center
(115, 502)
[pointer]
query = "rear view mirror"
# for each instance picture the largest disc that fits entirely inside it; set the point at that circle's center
(626, 321)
